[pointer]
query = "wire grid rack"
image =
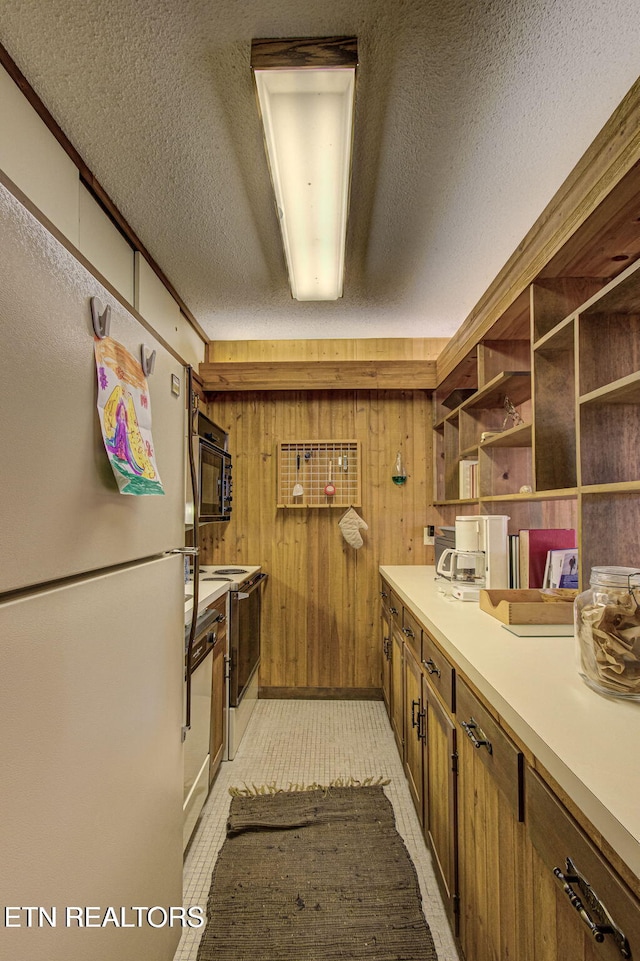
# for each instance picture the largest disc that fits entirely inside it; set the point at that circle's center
(313, 464)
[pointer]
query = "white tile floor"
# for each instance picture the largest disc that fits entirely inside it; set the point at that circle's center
(312, 741)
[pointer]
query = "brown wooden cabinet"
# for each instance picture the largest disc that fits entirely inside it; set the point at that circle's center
(386, 653)
(413, 725)
(498, 834)
(439, 773)
(581, 910)
(219, 688)
(495, 917)
(393, 660)
(397, 689)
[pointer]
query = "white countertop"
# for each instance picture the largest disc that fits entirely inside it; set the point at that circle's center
(208, 592)
(589, 743)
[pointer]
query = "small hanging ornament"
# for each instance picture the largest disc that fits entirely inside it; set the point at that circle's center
(399, 475)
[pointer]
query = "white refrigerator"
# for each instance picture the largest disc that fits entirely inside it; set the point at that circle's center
(91, 629)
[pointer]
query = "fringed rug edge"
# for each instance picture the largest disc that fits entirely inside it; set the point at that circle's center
(255, 790)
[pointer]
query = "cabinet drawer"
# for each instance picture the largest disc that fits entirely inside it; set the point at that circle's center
(496, 750)
(412, 632)
(442, 675)
(220, 607)
(557, 837)
(390, 601)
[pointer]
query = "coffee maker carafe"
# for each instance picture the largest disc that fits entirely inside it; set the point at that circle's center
(480, 557)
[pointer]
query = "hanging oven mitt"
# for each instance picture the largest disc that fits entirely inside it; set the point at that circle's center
(351, 524)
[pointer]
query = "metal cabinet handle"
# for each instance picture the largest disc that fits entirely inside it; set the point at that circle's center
(383, 594)
(422, 726)
(431, 667)
(480, 740)
(408, 632)
(394, 610)
(414, 723)
(604, 923)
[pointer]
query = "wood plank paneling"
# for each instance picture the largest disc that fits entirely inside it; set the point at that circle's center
(317, 375)
(365, 348)
(320, 612)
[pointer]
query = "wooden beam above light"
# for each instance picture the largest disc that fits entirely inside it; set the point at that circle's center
(319, 375)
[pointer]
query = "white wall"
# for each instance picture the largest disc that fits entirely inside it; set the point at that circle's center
(34, 160)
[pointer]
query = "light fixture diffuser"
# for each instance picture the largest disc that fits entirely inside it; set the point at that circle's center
(306, 93)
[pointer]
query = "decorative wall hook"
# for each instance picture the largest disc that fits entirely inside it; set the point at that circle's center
(100, 318)
(147, 361)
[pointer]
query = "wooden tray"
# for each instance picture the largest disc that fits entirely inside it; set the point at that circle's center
(525, 607)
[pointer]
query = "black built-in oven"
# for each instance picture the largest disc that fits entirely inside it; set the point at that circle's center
(244, 635)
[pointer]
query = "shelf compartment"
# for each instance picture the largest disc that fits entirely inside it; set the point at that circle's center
(609, 333)
(623, 391)
(554, 298)
(438, 465)
(610, 439)
(609, 531)
(514, 384)
(609, 346)
(469, 452)
(451, 457)
(554, 412)
(504, 470)
(518, 436)
(309, 463)
(496, 356)
(560, 338)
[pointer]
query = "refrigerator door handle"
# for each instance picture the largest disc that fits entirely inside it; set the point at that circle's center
(195, 552)
(191, 551)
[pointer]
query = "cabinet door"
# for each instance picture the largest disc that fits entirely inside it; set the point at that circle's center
(413, 725)
(397, 690)
(385, 634)
(218, 734)
(566, 930)
(440, 797)
(218, 707)
(493, 848)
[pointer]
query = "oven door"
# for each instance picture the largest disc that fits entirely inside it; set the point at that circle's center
(244, 627)
(214, 479)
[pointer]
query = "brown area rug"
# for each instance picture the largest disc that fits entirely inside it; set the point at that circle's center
(315, 876)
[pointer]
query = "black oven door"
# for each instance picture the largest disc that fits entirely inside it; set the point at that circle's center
(214, 478)
(244, 631)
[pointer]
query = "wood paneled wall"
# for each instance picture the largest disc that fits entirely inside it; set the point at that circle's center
(364, 348)
(320, 629)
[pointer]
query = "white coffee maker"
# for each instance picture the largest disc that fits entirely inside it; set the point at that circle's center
(480, 558)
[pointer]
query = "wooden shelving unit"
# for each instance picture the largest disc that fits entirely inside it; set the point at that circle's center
(579, 446)
(312, 464)
(503, 465)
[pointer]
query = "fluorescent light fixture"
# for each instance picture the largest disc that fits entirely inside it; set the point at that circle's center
(306, 93)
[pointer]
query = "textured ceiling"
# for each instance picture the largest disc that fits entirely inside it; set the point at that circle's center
(469, 116)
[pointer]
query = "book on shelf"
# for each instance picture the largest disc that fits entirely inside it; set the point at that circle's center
(468, 487)
(562, 569)
(514, 561)
(535, 544)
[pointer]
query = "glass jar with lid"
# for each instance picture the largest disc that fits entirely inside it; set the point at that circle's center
(607, 622)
